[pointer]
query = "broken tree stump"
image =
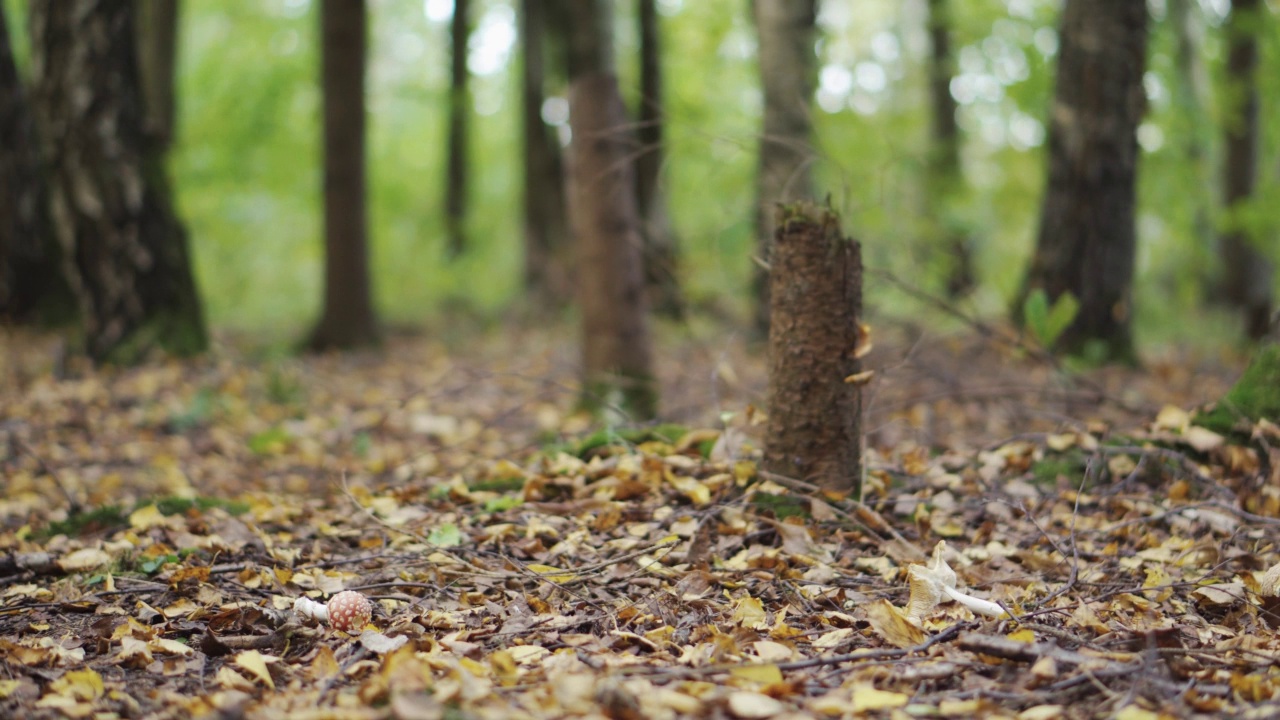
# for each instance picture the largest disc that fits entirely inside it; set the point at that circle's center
(814, 399)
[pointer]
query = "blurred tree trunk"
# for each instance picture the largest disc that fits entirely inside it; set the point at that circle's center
(157, 57)
(1086, 242)
(1247, 271)
(814, 401)
(1191, 95)
(125, 250)
(661, 256)
(617, 364)
(348, 318)
(945, 176)
(30, 276)
(546, 231)
(788, 68)
(455, 201)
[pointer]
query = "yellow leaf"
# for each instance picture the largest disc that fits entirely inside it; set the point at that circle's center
(8, 687)
(763, 674)
(749, 613)
(146, 517)
(867, 698)
(1041, 712)
(1024, 635)
(753, 705)
(79, 684)
(893, 625)
(256, 663)
(554, 574)
(84, 559)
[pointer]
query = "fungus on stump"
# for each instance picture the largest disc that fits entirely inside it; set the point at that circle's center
(815, 416)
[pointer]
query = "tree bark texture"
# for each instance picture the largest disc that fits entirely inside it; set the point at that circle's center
(815, 414)
(788, 65)
(158, 58)
(28, 258)
(1086, 242)
(661, 248)
(1247, 271)
(617, 362)
(348, 318)
(546, 247)
(944, 170)
(124, 250)
(455, 202)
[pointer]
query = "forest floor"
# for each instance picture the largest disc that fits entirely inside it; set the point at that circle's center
(158, 523)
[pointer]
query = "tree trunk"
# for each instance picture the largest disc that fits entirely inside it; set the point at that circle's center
(348, 319)
(30, 278)
(617, 365)
(546, 265)
(157, 55)
(787, 77)
(945, 177)
(1086, 242)
(455, 201)
(125, 251)
(1247, 271)
(815, 405)
(661, 254)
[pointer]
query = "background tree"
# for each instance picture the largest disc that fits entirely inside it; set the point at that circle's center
(455, 203)
(661, 256)
(944, 173)
(1086, 242)
(348, 318)
(787, 76)
(29, 272)
(126, 251)
(617, 357)
(546, 232)
(1247, 271)
(158, 60)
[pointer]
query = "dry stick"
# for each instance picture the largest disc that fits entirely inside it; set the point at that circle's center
(73, 507)
(872, 515)
(987, 331)
(944, 636)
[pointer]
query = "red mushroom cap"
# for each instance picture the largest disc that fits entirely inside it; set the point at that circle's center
(349, 611)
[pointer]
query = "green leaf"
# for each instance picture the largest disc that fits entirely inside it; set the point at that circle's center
(1045, 323)
(447, 535)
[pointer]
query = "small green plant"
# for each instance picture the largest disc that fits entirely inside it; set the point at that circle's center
(197, 413)
(1047, 323)
(781, 506)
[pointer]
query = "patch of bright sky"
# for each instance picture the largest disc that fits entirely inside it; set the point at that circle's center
(492, 41)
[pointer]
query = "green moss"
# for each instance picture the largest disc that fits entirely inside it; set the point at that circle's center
(1046, 472)
(1256, 395)
(110, 518)
(781, 506)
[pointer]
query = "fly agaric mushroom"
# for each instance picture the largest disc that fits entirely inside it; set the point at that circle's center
(347, 611)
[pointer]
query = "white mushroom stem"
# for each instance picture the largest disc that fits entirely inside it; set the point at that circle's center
(311, 610)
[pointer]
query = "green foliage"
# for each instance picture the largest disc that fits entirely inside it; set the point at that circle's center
(598, 442)
(269, 441)
(86, 522)
(446, 535)
(197, 413)
(1048, 323)
(109, 518)
(781, 506)
(247, 164)
(1256, 395)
